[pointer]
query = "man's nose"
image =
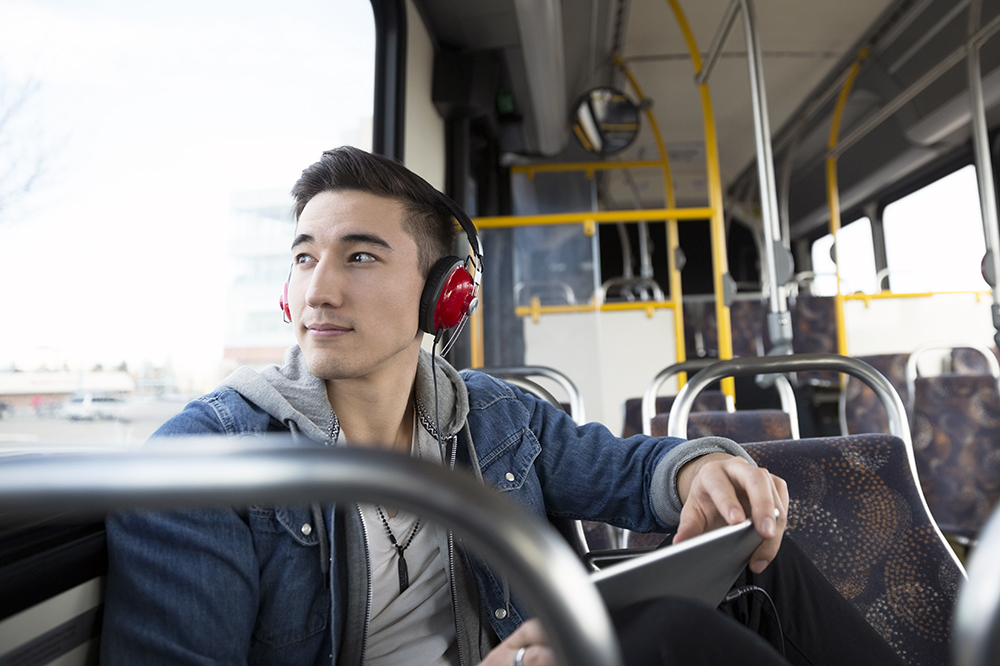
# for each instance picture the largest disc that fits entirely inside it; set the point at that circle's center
(325, 288)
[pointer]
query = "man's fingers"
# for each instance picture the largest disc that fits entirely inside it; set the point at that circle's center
(720, 491)
(530, 633)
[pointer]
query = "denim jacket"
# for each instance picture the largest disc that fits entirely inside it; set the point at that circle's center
(247, 585)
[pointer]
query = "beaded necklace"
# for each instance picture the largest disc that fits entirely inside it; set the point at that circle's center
(404, 574)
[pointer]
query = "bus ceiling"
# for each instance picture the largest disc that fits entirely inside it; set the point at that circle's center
(542, 56)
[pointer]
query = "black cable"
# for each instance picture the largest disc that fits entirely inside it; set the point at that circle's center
(738, 592)
(437, 418)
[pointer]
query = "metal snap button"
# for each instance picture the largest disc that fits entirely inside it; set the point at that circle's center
(307, 529)
(500, 613)
(509, 476)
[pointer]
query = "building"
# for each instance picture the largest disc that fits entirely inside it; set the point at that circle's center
(260, 234)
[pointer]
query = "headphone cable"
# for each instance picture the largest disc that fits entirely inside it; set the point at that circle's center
(738, 592)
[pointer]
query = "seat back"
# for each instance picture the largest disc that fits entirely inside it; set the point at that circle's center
(860, 408)
(707, 401)
(752, 425)
(956, 441)
(780, 384)
(814, 330)
(857, 513)
(971, 361)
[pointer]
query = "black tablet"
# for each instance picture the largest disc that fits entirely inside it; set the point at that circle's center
(703, 568)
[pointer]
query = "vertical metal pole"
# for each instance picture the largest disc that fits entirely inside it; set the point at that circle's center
(779, 323)
(984, 166)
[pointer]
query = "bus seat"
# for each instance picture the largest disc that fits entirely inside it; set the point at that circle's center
(742, 426)
(701, 337)
(956, 431)
(860, 409)
(706, 401)
(749, 323)
(970, 361)
(52, 577)
(856, 512)
(814, 330)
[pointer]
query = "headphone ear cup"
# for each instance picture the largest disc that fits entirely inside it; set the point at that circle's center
(446, 295)
(285, 310)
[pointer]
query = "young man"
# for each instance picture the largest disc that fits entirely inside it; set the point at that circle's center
(363, 584)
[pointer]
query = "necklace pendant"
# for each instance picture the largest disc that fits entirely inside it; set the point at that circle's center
(404, 574)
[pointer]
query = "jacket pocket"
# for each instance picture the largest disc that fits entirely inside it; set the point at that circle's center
(508, 465)
(294, 595)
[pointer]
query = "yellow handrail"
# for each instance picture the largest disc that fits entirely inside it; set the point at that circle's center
(720, 262)
(600, 217)
(833, 193)
(673, 238)
(589, 167)
(888, 295)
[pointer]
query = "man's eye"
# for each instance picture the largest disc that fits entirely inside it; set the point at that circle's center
(362, 258)
(303, 259)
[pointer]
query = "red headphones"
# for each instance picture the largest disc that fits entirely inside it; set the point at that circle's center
(449, 295)
(283, 302)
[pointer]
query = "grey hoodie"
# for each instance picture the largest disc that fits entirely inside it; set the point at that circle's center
(298, 400)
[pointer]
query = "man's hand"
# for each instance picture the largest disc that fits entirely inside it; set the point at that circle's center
(719, 489)
(529, 635)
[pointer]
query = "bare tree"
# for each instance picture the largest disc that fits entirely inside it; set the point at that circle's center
(23, 157)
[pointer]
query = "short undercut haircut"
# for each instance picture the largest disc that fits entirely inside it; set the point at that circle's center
(430, 223)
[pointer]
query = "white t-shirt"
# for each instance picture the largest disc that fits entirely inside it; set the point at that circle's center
(416, 627)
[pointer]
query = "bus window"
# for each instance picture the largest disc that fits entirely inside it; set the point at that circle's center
(934, 237)
(160, 141)
(857, 261)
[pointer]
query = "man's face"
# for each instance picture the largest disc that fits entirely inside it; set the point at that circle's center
(355, 286)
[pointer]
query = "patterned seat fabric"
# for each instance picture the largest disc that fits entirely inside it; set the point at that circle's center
(753, 425)
(856, 513)
(814, 329)
(968, 361)
(863, 410)
(956, 440)
(703, 402)
(748, 320)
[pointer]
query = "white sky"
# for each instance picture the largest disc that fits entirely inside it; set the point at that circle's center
(150, 117)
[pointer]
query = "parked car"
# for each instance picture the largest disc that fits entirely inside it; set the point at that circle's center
(91, 406)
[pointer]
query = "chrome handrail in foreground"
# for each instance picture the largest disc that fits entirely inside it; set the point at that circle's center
(976, 638)
(541, 566)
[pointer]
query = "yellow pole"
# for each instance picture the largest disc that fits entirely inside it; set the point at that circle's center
(833, 194)
(477, 352)
(673, 241)
(720, 262)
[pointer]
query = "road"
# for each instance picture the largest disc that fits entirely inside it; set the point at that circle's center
(25, 431)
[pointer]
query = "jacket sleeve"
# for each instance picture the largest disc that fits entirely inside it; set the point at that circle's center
(182, 585)
(585, 472)
(182, 588)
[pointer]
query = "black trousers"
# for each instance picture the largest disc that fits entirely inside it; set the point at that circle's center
(817, 625)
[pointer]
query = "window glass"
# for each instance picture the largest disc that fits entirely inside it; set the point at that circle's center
(147, 163)
(857, 261)
(146, 154)
(934, 237)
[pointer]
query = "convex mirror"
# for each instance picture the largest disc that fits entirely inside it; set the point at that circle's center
(606, 121)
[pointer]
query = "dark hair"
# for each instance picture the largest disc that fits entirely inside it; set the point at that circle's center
(431, 224)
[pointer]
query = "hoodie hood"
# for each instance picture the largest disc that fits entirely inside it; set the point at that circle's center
(298, 400)
(289, 393)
